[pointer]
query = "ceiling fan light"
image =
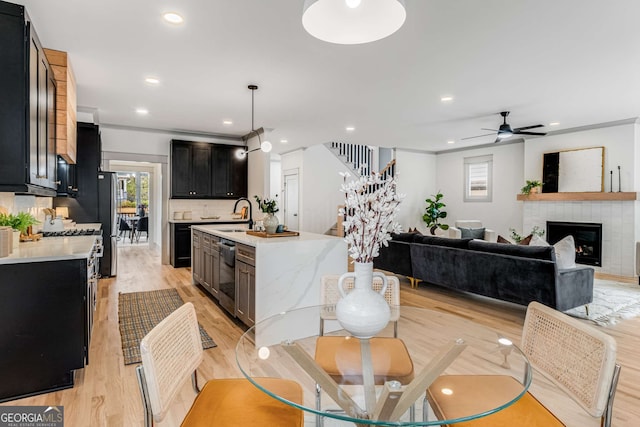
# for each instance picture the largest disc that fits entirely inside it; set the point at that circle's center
(240, 153)
(337, 21)
(504, 135)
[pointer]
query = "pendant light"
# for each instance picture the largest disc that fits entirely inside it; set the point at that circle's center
(353, 21)
(265, 146)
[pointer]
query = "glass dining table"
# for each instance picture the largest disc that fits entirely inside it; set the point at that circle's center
(439, 344)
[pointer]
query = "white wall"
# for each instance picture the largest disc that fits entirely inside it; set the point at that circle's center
(140, 141)
(320, 186)
(619, 150)
(416, 178)
(504, 211)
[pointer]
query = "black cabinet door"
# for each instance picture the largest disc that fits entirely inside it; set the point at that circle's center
(42, 117)
(180, 170)
(190, 170)
(220, 172)
(229, 172)
(181, 245)
(201, 170)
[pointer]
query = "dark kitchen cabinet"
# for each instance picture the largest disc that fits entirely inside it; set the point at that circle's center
(190, 170)
(27, 108)
(180, 250)
(202, 170)
(45, 326)
(66, 173)
(181, 246)
(229, 173)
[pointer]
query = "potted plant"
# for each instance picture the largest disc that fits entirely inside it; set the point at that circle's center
(531, 187)
(434, 212)
(20, 222)
(270, 207)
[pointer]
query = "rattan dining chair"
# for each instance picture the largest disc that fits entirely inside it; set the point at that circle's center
(172, 351)
(578, 358)
(341, 358)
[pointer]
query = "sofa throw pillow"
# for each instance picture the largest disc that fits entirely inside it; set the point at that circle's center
(526, 240)
(565, 253)
(503, 240)
(472, 233)
(538, 241)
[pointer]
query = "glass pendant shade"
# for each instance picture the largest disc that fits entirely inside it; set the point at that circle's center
(349, 22)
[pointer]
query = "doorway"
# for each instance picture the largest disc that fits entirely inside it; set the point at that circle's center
(138, 196)
(132, 206)
(291, 199)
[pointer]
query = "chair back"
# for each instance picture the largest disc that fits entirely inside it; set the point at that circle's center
(143, 224)
(473, 223)
(170, 352)
(124, 225)
(578, 358)
(329, 296)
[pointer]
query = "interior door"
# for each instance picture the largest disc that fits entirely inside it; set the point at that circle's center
(291, 187)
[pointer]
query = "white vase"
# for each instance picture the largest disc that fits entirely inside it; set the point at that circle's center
(363, 312)
(270, 222)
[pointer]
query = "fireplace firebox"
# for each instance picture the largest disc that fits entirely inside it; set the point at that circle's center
(587, 237)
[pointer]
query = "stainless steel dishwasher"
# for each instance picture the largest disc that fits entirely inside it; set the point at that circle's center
(227, 294)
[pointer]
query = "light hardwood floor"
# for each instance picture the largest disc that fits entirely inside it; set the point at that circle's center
(106, 391)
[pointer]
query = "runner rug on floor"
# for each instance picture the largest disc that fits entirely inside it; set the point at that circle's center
(139, 312)
(612, 301)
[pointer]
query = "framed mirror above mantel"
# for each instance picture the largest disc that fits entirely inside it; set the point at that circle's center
(577, 170)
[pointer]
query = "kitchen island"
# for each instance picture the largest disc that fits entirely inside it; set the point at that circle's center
(180, 232)
(47, 300)
(271, 274)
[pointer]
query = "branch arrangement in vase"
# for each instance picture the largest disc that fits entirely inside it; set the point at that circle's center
(267, 205)
(371, 206)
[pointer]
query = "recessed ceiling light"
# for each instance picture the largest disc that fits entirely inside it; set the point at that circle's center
(450, 142)
(446, 98)
(554, 123)
(173, 18)
(142, 111)
(227, 122)
(152, 80)
(283, 141)
(350, 128)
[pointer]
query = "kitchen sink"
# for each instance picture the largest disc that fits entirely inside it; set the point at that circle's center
(232, 230)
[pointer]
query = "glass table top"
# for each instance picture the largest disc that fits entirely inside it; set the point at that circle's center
(367, 382)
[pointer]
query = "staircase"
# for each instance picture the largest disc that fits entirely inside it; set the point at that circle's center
(357, 158)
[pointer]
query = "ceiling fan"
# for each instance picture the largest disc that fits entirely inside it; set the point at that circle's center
(505, 131)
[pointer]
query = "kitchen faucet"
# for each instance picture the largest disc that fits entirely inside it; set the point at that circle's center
(250, 210)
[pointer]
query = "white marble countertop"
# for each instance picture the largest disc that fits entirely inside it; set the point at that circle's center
(247, 239)
(51, 249)
(198, 220)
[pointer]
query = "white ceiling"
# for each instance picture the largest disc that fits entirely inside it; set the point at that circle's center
(576, 62)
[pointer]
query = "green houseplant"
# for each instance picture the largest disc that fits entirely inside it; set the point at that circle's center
(434, 213)
(20, 222)
(531, 187)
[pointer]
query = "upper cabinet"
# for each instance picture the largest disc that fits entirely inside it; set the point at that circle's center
(201, 170)
(66, 130)
(27, 108)
(229, 173)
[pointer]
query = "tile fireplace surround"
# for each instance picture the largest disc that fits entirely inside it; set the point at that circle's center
(618, 227)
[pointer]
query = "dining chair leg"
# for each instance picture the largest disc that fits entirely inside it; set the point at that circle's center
(425, 409)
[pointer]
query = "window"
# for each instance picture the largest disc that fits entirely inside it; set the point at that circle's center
(478, 178)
